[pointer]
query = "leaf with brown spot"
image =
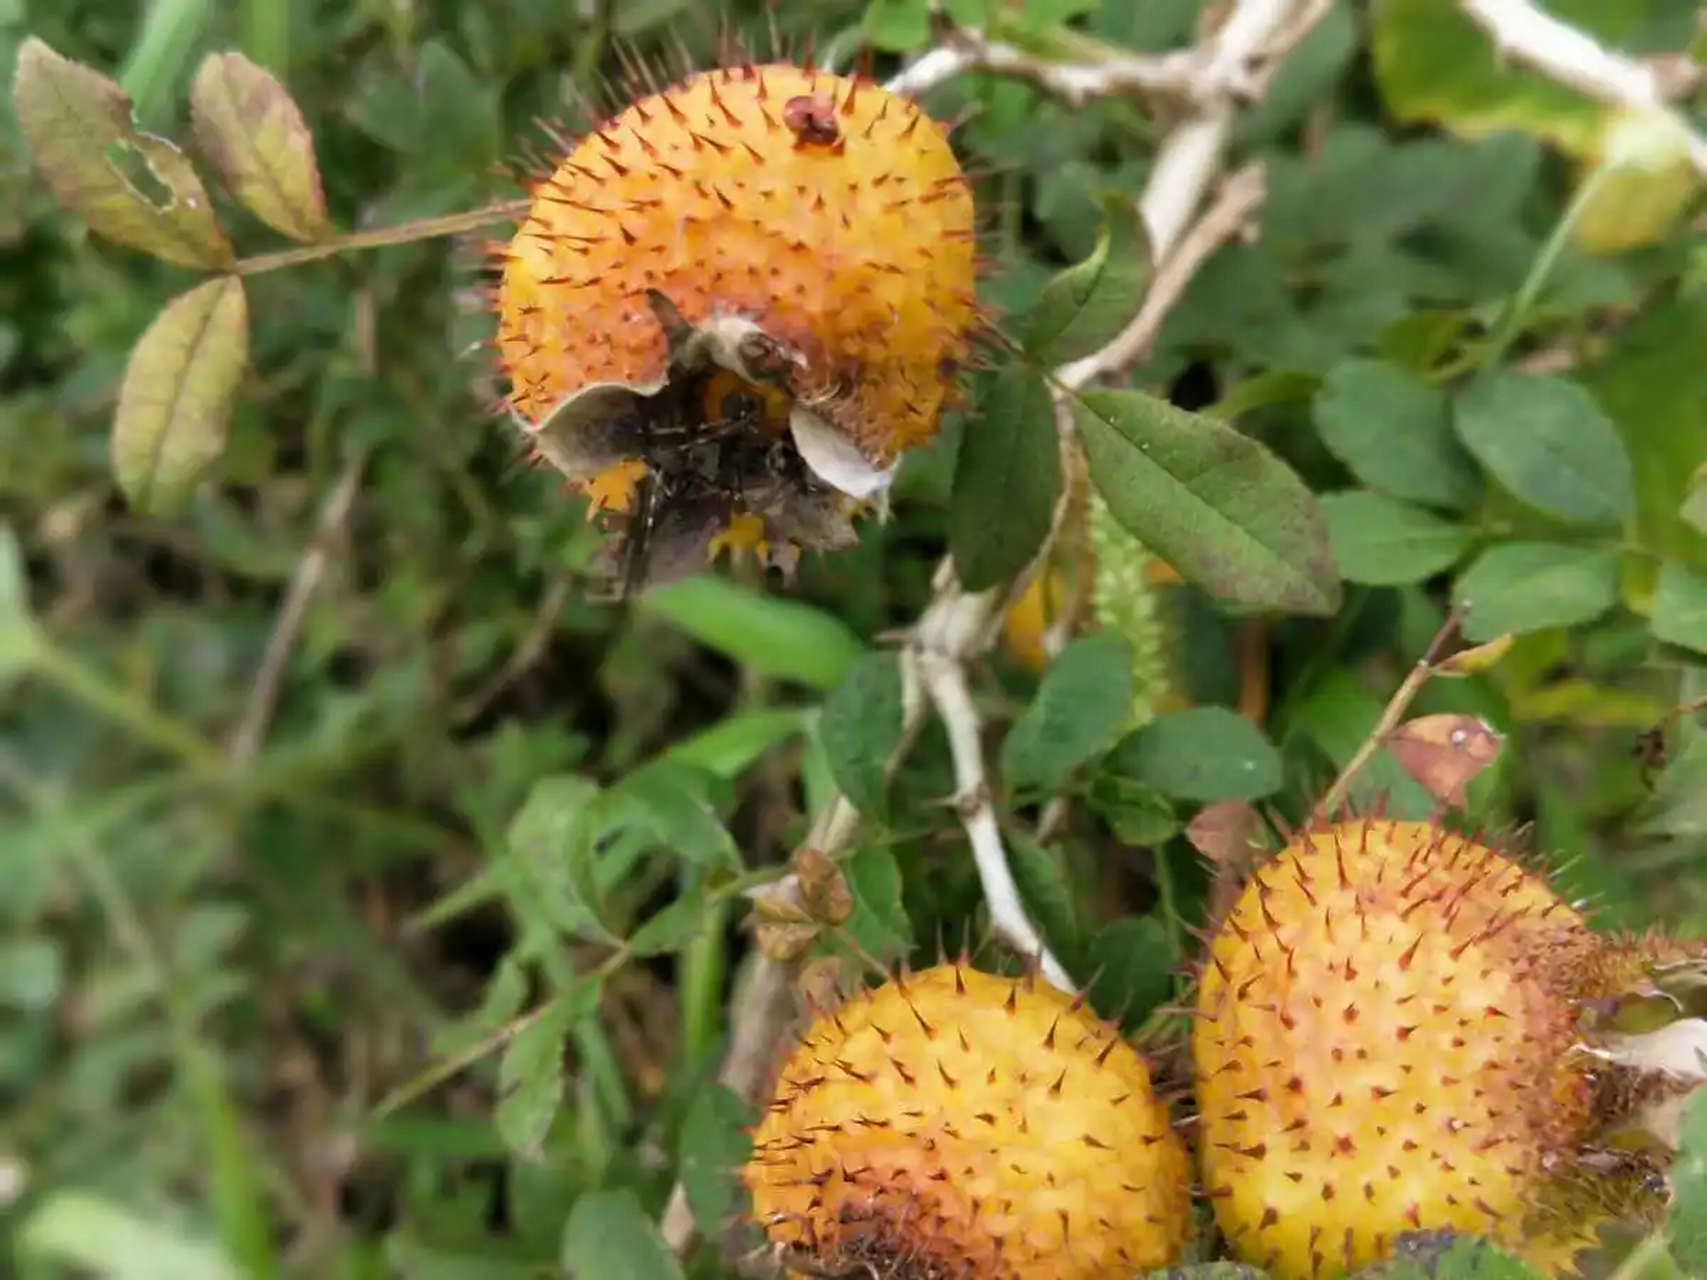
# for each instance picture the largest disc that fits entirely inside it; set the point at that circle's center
(174, 410)
(130, 187)
(251, 130)
(1445, 752)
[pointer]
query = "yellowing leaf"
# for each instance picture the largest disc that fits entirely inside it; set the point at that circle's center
(131, 187)
(1433, 63)
(1474, 660)
(252, 132)
(1646, 188)
(174, 408)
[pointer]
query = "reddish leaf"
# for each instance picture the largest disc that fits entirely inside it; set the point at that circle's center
(1445, 753)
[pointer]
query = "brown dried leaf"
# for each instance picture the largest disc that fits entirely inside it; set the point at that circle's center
(1475, 660)
(1228, 833)
(823, 888)
(83, 137)
(1445, 752)
(252, 132)
(174, 410)
(784, 943)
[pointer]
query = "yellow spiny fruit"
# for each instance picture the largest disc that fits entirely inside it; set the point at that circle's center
(1388, 1039)
(810, 233)
(957, 1124)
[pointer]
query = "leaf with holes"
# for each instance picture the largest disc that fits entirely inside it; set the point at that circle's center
(252, 132)
(174, 410)
(131, 187)
(1219, 507)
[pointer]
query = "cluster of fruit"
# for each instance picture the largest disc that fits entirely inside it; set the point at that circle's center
(727, 314)
(1393, 1033)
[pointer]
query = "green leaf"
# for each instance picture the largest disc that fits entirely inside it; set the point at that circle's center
(1686, 1226)
(1432, 63)
(1694, 507)
(610, 1234)
(1677, 806)
(897, 26)
(1085, 306)
(1209, 1271)
(1530, 586)
(710, 1152)
(1139, 815)
(1006, 478)
(32, 973)
(253, 133)
(20, 637)
(1548, 442)
(1680, 607)
(1380, 541)
(860, 728)
(735, 743)
(1133, 959)
(175, 403)
(76, 1228)
(1201, 754)
(1654, 385)
(670, 928)
(1393, 430)
(547, 869)
(1210, 501)
(1448, 1255)
(672, 802)
(782, 639)
(1047, 889)
(1084, 699)
(879, 923)
(530, 1072)
(131, 187)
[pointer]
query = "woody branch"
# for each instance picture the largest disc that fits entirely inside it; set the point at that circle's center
(1229, 68)
(1526, 33)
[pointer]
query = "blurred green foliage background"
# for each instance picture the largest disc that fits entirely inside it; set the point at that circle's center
(294, 964)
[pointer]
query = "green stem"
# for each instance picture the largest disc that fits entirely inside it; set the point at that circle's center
(704, 965)
(1542, 267)
(448, 224)
(85, 684)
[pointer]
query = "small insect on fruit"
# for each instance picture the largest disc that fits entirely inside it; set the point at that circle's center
(955, 1123)
(731, 308)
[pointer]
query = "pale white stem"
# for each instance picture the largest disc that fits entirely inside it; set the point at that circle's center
(1529, 34)
(1073, 82)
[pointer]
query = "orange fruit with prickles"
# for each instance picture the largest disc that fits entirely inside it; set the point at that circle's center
(809, 235)
(956, 1123)
(1388, 1039)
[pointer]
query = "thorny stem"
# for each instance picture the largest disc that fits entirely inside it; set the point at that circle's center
(1391, 715)
(415, 229)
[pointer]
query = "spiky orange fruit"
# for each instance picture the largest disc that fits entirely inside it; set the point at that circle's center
(1387, 1039)
(956, 1123)
(818, 211)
